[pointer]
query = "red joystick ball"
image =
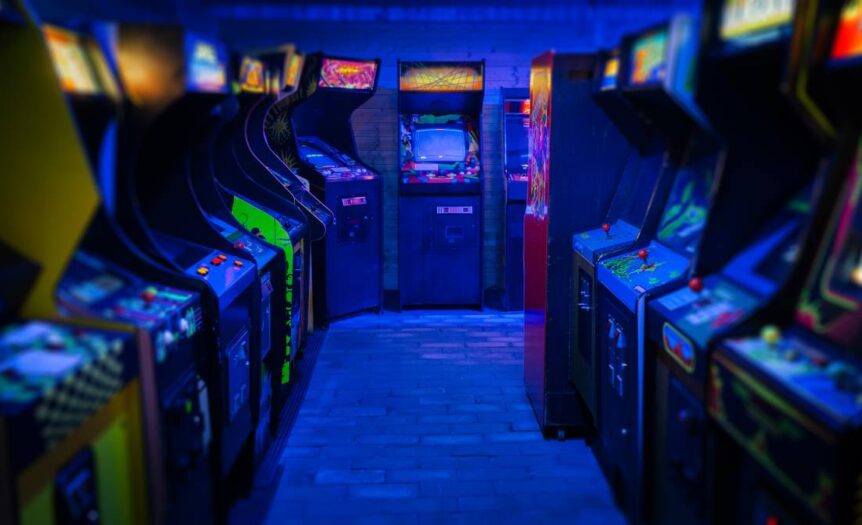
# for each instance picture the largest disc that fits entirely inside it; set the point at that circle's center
(643, 255)
(606, 227)
(696, 284)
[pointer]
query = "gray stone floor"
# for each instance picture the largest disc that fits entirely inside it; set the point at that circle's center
(420, 417)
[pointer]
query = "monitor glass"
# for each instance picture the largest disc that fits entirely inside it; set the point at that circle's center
(649, 61)
(440, 145)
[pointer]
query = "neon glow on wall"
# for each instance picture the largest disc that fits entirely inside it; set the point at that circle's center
(347, 74)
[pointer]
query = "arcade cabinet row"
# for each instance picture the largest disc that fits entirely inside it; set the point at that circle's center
(693, 262)
(164, 206)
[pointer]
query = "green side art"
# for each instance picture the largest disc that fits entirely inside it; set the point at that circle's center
(268, 228)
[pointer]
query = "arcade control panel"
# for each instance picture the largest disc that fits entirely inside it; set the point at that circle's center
(245, 241)
(637, 272)
(605, 238)
(695, 314)
(797, 410)
(95, 286)
(53, 376)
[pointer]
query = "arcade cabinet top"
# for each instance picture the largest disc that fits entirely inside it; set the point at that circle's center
(57, 209)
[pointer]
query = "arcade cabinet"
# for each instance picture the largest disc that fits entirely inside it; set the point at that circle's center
(168, 319)
(171, 80)
(239, 200)
(633, 212)
(704, 223)
(279, 152)
(572, 178)
(684, 325)
(200, 187)
(440, 190)
(352, 254)
(70, 392)
(516, 155)
(786, 389)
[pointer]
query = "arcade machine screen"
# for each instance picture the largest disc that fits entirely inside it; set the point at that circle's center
(440, 145)
(252, 78)
(832, 303)
(316, 157)
(848, 37)
(684, 216)
(648, 59)
(354, 75)
(517, 139)
(753, 21)
(71, 63)
(206, 65)
(610, 73)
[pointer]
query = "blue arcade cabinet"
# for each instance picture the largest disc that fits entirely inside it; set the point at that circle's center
(707, 217)
(515, 126)
(633, 212)
(440, 189)
(352, 253)
(785, 387)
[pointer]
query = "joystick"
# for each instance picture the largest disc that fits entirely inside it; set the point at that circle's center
(607, 229)
(643, 254)
(770, 334)
(696, 284)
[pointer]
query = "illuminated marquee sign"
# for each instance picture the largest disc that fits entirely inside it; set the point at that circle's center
(205, 62)
(848, 36)
(742, 18)
(609, 74)
(455, 77)
(71, 63)
(294, 69)
(649, 63)
(347, 74)
(251, 76)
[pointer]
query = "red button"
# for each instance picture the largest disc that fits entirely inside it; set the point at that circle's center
(216, 261)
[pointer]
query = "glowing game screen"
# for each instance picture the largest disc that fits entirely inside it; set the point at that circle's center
(446, 78)
(317, 158)
(649, 64)
(71, 63)
(354, 75)
(251, 76)
(206, 68)
(440, 145)
(609, 74)
(831, 304)
(294, 69)
(848, 35)
(743, 18)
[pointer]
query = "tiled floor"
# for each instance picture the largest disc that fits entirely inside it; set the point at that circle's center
(420, 417)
